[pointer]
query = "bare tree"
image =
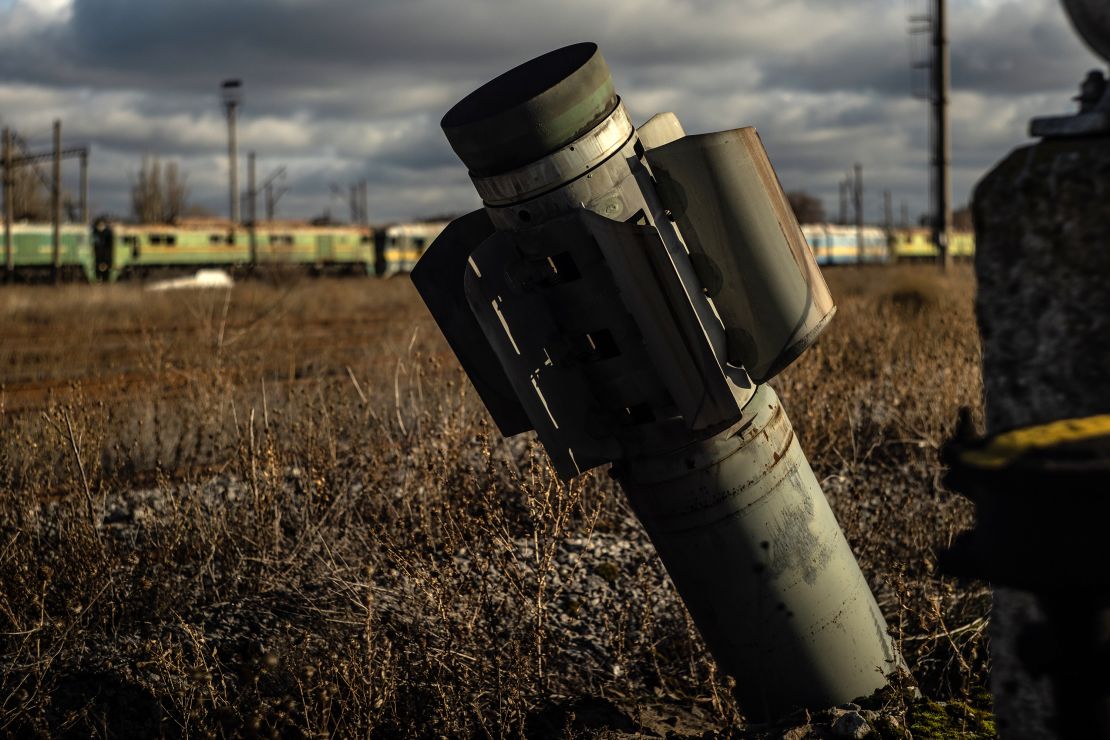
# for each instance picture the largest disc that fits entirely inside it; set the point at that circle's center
(807, 208)
(174, 194)
(29, 197)
(157, 195)
(31, 186)
(146, 193)
(195, 210)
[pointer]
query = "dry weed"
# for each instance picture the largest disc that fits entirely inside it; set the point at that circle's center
(280, 510)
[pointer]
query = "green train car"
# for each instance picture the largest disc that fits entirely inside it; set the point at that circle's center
(123, 249)
(838, 244)
(317, 246)
(32, 250)
(111, 250)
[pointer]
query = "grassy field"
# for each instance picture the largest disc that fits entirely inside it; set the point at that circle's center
(280, 510)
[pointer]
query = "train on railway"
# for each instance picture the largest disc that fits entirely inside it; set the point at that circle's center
(837, 244)
(111, 250)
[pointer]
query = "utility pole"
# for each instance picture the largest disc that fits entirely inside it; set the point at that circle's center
(905, 215)
(252, 195)
(56, 201)
(843, 202)
(364, 192)
(942, 217)
(9, 206)
(250, 188)
(272, 193)
(888, 222)
(936, 92)
(857, 191)
(359, 203)
(232, 92)
(85, 186)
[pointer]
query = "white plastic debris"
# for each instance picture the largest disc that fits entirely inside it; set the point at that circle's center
(203, 279)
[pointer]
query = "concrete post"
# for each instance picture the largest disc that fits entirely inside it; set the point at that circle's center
(606, 296)
(1043, 307)
(1039, 478)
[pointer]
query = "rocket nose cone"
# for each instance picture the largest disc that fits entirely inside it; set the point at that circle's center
(531, 110)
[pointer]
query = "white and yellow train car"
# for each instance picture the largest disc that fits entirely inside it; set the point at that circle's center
(915, 245)
(401, 245)
(835, 244)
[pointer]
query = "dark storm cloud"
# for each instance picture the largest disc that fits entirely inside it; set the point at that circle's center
(188, 43)
(423, 149)
(349, 89)
(1006, 47)
(144, 45)
(1019, 48)
(811, 45)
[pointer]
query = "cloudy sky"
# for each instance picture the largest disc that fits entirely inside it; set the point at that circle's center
(341, 90)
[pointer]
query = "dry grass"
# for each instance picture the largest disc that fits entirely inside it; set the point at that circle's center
(280, 510)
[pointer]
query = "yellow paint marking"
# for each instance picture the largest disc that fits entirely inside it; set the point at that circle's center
(1006, 447)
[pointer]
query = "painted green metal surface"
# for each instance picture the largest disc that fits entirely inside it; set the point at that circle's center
(33, 248)
(105, 250)
(531, 110)
(746, 246)
(752, 546)
(570, 304)
(140, 248)
(147, 247)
